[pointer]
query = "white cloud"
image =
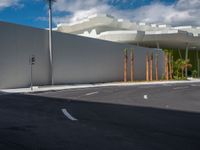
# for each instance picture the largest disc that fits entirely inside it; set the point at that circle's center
(80, 9)
(182, 12)
(8, 3)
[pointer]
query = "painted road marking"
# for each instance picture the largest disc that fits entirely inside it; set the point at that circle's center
(65, 112)
(148, 87)
(166, 85)
(92, 93)
(145, 96)
(195, 85)
(179, 88)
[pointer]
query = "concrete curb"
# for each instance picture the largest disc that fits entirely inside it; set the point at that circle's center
(65, 87)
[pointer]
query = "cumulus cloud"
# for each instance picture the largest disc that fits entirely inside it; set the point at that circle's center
(79, 9)
(8, 3)
(181, 12)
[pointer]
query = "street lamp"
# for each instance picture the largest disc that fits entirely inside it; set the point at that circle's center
(50, 2)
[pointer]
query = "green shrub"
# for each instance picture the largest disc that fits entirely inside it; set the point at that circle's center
(194, 73)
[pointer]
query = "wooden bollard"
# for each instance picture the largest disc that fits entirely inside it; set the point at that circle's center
(125, 65)
(156, 66)
(147, 66)
(170, 66)
(132, 65)
(166, 67)
(151, 67)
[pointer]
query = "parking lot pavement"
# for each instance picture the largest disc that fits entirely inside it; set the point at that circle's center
(184, 97)
(165, 117)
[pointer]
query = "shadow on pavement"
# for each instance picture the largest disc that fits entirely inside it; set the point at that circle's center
(34, 122)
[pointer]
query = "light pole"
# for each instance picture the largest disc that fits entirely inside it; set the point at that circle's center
(50, 39)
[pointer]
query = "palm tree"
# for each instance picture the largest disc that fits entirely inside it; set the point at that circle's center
(50, 2)
(186, 64)
(177, 67)
(180, 66)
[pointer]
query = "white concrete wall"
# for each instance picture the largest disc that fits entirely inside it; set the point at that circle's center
(76, 59)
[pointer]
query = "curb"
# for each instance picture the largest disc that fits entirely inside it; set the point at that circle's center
(66, 87)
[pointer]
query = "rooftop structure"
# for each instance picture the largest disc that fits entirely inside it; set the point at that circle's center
(108, 28)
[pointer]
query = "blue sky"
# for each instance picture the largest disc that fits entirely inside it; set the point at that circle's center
(34, 12)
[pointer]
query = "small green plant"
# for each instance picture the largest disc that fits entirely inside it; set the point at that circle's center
(180, 66)
(194, 74)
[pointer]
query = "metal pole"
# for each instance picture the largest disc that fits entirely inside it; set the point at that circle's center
(158, 45)
(179, 52)
(50, 42)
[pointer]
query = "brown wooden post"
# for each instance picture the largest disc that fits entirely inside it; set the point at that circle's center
(156, 65)
(147, 66)
(197, 54)
(166, 67)
(170, 66)
(151, 67)
(132, 65)
(125, 65)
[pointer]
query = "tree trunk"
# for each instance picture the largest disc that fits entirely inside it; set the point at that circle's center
(182, 72)
(132, 65)
(125, 65)
(170, 66)
(147, 66)
(151, 67)
(166, 67)
(156, 65)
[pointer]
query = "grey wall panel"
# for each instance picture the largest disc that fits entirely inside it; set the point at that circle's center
(76, 59)
(17, 43)
(140, 62)
(84, 60)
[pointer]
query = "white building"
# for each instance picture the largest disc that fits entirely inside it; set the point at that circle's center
(108, 28)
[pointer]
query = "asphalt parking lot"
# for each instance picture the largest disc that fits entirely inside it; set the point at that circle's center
(147, 117)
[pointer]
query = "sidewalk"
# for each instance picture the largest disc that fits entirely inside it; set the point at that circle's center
(65, 87)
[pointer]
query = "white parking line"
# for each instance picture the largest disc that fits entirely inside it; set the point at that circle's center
(65, 112)
(196, 85)
(145, 96)
(92, 93)
(178, 88)
(147, 87)
(166, 85)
